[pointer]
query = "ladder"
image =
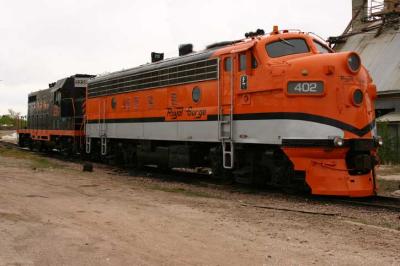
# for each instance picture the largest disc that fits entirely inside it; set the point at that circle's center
(103, 127)
(88, 140)
(225, 125)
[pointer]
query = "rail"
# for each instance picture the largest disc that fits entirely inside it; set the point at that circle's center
(377, 202)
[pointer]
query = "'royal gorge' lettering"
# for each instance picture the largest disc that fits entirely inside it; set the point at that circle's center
(175, 112)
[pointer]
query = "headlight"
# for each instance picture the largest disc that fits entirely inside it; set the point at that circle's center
(338, 141)
(354, 62)
(378, 141)
(357, 97)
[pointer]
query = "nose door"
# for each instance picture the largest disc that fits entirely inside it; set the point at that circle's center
(227, 81)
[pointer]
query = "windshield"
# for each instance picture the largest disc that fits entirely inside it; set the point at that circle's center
(322, 49)
(286, 47)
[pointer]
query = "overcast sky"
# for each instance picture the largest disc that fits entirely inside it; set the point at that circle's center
(42, 41)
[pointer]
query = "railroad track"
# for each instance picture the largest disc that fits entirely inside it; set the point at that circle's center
(381, 202)
(8, 144)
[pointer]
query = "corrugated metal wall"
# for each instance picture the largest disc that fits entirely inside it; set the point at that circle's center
(381, 56)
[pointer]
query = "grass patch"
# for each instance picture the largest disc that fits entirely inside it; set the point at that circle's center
(183, 191)
(390, 151)
(36, 161)
(44, 163)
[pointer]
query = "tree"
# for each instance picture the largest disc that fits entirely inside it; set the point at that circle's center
(12, 120)
(6, 120)
(13, 114)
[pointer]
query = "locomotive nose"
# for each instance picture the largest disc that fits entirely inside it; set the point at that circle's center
(349, 62)
(357, 79)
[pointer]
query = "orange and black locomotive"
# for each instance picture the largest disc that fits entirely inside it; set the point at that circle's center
(279, 109)
(55, 116)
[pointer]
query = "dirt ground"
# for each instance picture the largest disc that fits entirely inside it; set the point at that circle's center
(6, 132)
(52, 213)
(389, 180)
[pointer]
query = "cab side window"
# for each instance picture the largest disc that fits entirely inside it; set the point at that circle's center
(228, 64)
(242, 62)
(254, 63)
(322, 49)
(57, 98)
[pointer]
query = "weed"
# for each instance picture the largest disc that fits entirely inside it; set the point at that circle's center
(390, 151)
(36, 161)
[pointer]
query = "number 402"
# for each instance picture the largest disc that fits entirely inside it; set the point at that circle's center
(306, 87)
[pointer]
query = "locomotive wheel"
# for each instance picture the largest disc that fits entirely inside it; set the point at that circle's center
(21, 141)
(30, 145)
(216, 164)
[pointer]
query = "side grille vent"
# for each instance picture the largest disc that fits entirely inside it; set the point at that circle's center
(201, 70)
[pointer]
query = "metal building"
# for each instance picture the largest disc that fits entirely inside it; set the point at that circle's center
(374, 33)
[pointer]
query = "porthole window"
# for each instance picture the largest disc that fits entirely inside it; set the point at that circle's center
(358, 96)
(196, 94)
(113, 103)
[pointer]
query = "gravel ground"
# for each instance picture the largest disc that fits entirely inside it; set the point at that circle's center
(6, 132)
(389, 172)
(8, 136)
(51, 213)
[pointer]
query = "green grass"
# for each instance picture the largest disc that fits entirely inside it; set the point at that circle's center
(389, 153)
(35, 160)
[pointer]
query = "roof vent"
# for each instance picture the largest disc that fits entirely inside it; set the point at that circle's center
(51, 85)
(185, 49)
(155, 57)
